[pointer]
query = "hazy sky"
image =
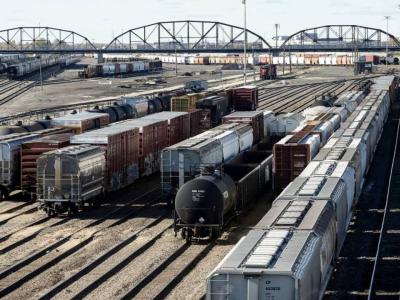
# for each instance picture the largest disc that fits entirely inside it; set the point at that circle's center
(101, 19)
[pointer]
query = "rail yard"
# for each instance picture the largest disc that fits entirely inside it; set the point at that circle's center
(197, 160)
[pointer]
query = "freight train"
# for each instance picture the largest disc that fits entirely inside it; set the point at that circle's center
(10, 59)
(183, 161)
(265, 59)
(127, 108)
(20, 70)
(130, 134)
(121, 68)
(206, 203)
(117, 156)
(203, 205)
(289, 254)
(268, 72)
(22, 135)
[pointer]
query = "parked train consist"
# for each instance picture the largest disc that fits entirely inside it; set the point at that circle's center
(306, 140)
(205, 204)
(121, 68)
(302, 59)
(33, 144)
(290, 253)
(10, 157)
(20, 70)
(130, 149)
(10, 59)
(186, 160)
(205, 212)
(268, 72)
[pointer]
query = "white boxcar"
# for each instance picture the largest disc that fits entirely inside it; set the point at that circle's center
(230, 144)
(285, 123)
(269, 119)
(109, 69)
(244, 132)
(138, 66)
(123, 68)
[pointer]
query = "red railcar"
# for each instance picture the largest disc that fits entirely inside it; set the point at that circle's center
(244, 98)
(268, 72)
(30, 151)
(121, 148)
(291, 156)
(178, 124)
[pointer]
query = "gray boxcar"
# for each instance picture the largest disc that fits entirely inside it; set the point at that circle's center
(182, 162)
(69, 177)
(269, 264)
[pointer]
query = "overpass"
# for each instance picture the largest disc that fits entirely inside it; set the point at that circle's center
(196, 37)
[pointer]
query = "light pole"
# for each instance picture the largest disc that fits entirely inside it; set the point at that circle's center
(276, 35)
(245, 43)
(387, 39)
(176, 60)
(40, 73)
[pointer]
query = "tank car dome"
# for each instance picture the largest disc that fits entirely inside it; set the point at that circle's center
(205, 199)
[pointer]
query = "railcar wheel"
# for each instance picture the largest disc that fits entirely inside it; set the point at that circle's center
(183, 233)
(49, 211)
(215, 232)
(72, 210)
(189, 235)
(3, 193)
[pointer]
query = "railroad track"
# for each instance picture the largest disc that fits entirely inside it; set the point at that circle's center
(98, 271)
(13, 89)
(27, 269)
(47, 223)
(15, 208)
(296, 99)
(372, 245)
(23, 211)
(22, 88)
(385, 273)
(286, 98)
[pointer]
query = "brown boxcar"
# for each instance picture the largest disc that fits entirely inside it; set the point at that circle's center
(178, 125)
(245, 98)
(308, 59)
(253, 118)
(200, 121)
(31, 150)
(153, 139)
(121, 145)
(315, 59)
(129, 67)
(291, 156)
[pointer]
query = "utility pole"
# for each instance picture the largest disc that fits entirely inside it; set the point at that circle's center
(245, 44)
(40, 73)
(176, 60)
(387, 39)
(277, 26)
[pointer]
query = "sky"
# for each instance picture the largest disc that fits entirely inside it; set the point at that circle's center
(101, 20)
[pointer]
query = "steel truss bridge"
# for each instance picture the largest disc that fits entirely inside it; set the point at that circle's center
(196, 37)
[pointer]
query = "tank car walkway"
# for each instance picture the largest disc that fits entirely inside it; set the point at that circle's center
(351, 278)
